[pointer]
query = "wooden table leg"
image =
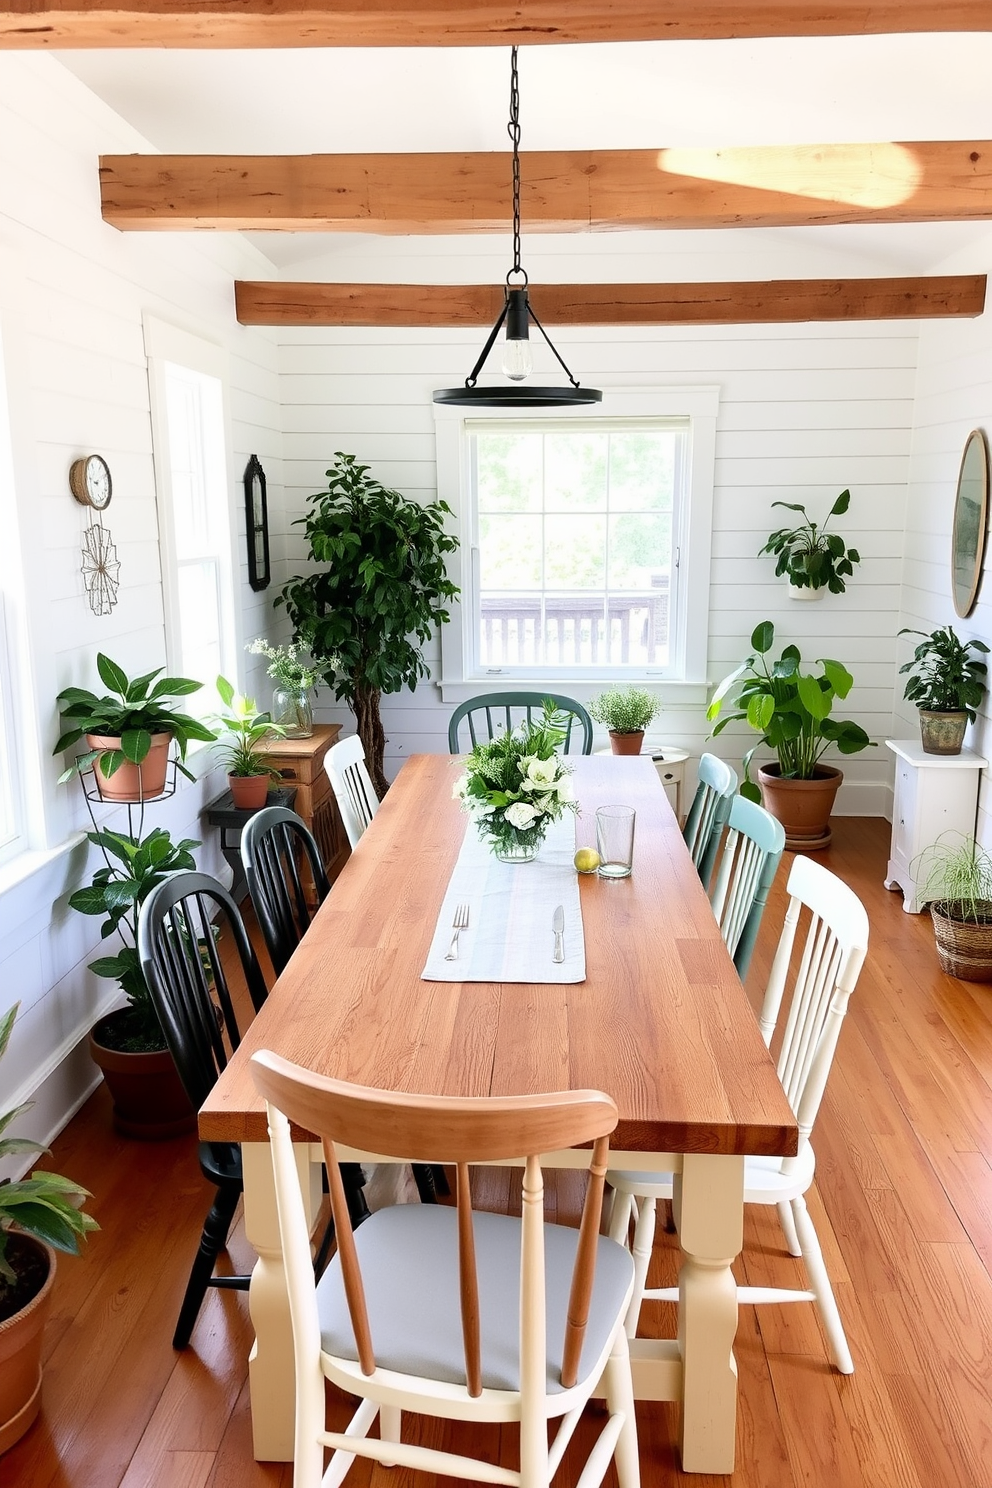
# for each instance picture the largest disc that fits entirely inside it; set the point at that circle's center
(709, 1216)
(271, 1371)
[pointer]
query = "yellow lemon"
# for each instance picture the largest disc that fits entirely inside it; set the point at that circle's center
(586, 860)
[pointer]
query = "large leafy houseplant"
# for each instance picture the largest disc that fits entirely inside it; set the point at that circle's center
(379, 593)
(812, 557)
(788, 707)
(944, 676)
(131, 868)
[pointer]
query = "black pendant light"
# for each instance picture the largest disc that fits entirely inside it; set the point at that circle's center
(517, 314)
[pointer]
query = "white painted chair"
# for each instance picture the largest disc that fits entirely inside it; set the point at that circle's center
(708, 813)
(352, 786)
(746, 871)
(834, 952)
(443, 1312)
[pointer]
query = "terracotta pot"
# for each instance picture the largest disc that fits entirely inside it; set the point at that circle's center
(20, 1357)
(626, 743)
(942, 732)
(249, 792)
(150, 1103)
(802, 806)
(132, 782)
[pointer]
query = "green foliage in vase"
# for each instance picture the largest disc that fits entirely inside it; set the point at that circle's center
(46, 1205)
(789, 708)
(812, 557)
(515, 785)
(945, 677)
(625, 710)
(378, 596)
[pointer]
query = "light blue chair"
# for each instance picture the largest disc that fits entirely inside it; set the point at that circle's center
(751, 855)
(497, 712)
(708, 813)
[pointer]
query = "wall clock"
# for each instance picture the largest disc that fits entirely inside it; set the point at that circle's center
(257, 525)
(91, 485)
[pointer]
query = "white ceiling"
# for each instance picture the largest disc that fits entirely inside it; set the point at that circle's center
(636, 95)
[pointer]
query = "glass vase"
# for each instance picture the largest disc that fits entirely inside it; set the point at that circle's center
(516, 851)
(293, 710)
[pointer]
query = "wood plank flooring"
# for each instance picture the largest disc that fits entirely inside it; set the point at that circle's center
(903, 1146)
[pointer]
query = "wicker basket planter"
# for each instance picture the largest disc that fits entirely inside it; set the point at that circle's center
(964, 947)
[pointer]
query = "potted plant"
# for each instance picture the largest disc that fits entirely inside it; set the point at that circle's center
(814, 559)
(791, 709)
(379, 594)
(128, 730)
(626, 711)
(956, 875)
(295, 681)
(36, 1214)
(947, 684)
(128, 1044)
(243, 751)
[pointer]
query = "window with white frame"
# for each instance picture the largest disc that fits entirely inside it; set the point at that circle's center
(190, 426)
(9, 813)
(585, 539)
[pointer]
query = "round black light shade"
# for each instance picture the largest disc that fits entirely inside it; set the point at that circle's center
(518, 396)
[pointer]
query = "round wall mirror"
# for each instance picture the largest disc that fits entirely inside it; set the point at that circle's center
(970, 520)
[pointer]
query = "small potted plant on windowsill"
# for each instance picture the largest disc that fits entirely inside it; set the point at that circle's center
(816, 561)
(36, 1214)
(947, 685)
(128, 731)
(243, 750)
(955, 874)
(626, 711)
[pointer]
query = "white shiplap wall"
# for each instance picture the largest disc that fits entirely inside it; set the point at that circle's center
(72, 295)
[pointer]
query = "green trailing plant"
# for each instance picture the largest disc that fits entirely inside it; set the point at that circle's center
(812, 557)
(956, 874)
(244, 734)
(516, 784)
(788, 707)
(380, 592)
(132, 711)
(945, 676)
(625, 710)
(132, 867)
(46, 1205)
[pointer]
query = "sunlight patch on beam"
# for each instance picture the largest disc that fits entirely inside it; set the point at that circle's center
(869, 176)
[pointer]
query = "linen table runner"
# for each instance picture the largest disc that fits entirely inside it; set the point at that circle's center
(509, 936)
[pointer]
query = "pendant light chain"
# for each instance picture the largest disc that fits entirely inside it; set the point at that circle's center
(513, 130)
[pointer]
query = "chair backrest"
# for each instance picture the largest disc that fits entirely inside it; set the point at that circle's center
(177, 948)
(751, 855)
(274, 844)
(708, 813)
(436, 1128)
(352, 786)
(499, 712)
(832, 958)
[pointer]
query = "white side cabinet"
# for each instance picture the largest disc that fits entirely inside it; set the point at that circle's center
(934, 793)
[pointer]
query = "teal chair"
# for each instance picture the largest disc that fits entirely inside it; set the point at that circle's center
(498, 712)
(751, 855)
(708, 813)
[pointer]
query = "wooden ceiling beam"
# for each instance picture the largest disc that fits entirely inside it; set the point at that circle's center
(34, 24)
(778, 300)
(561, 190)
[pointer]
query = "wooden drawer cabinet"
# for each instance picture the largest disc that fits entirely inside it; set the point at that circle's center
(300, 762)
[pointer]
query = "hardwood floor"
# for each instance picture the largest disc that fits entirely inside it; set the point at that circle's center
(902, 1145)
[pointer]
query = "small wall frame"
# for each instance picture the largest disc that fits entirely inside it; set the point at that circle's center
(257, 525)
(971, 511)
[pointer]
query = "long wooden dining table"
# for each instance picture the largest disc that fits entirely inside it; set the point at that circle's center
(661, 1023)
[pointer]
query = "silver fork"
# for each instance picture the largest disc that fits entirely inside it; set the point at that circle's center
(458, 923)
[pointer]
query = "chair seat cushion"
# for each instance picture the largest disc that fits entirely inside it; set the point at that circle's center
(409, 1260)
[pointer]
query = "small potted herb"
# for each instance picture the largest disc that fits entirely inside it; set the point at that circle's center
(814, 559)
(36, 1214)
(128, 730)
(955, 874)
(947, 684)
(241, 746)
(626, 711)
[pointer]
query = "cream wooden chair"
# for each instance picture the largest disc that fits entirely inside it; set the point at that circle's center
(832, 957)
(708, 813)
(444, 1312)
(352, 786)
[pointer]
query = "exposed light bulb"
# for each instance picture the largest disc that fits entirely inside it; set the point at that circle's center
(518, 361)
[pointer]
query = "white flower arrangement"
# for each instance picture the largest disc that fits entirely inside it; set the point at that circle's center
(515, 785)
(284, 665)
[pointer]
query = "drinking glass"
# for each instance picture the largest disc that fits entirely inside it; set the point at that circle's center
(615, 840)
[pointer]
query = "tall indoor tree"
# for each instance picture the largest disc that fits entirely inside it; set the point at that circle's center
(379, 593)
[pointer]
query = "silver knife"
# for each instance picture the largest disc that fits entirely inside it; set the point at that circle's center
(558, 926)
